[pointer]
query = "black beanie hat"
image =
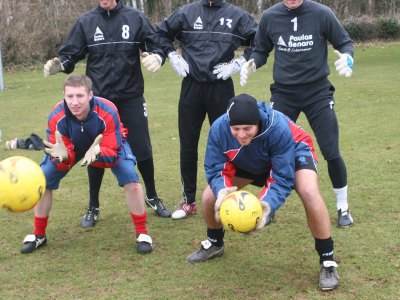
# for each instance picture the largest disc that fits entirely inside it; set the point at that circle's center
(243, 110)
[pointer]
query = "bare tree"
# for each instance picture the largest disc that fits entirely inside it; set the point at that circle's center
(32, 30)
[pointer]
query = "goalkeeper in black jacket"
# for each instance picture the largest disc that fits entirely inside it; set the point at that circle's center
(114, 36)
(209, 32)
(299, 31)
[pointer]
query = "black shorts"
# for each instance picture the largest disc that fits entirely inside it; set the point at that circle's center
(301, 162)
(317, 103)
(133, 114)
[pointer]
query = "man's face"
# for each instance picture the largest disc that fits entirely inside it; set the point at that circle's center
(78, 101)
(244, 133)
(292, 4)
(107, 4)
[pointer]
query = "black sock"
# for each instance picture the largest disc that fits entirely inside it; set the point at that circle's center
(216, 236)
(324, 249)
(146, 169)
(95, 179)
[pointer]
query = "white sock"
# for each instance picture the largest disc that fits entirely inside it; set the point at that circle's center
(341, 196)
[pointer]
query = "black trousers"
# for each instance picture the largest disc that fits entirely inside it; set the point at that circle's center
(133, 114)
(196, 100)
(317, 103)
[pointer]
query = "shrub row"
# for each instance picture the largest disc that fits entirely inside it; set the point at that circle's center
(377, 29)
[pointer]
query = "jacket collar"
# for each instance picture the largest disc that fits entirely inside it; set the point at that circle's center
(111, 12)
(267, 115)
(216, 3)
(296, 10)
(69, 114)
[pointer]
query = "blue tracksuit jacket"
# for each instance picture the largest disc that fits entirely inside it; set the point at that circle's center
(272, 151)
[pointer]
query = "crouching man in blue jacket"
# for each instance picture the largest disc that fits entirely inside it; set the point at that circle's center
(254, 144)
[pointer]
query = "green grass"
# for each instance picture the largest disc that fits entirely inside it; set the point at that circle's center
(279, 263)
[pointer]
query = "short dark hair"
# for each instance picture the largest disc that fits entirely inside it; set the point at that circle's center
(77, 80)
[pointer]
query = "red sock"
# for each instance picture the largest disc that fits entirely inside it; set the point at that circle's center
(140, 223)
(40, 224)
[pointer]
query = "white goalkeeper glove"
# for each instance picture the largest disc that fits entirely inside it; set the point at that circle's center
(93, 152)
(247, 69)
(221, 195)
(179, 64)
(152, 62)
(226, 70)
(57, 150)
(52, 66)
(265, 217)
(344, 65)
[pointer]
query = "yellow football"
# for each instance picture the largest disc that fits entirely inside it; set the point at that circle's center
(22, 183)
(240, 211)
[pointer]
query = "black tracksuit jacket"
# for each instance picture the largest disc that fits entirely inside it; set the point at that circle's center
(208, 34)
(113, 40)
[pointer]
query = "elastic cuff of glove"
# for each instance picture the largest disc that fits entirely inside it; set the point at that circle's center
(241, 60)
(171, 54)
(158, 58)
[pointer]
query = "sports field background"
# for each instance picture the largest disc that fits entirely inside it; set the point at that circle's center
(278, 263)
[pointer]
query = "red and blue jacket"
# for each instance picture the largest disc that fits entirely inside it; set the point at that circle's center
(272, 151)
(78, 136)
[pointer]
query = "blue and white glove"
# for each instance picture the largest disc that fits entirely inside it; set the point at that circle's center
(221, 195)
(152, 62)
(247, 69)
(344, 65)
(178, 63)
(226, 70)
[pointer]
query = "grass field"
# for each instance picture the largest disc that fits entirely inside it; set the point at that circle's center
(278, 263)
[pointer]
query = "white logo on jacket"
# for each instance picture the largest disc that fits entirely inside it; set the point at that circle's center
(281, 42)
(296, 43)
(98, 35)
(198, 24)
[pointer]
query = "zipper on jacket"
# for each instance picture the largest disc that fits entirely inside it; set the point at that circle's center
(81, 126)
